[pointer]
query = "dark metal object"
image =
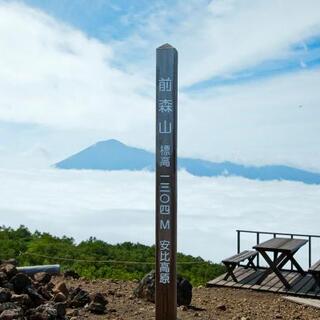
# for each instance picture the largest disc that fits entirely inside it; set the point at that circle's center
(30, 270)
(166, 182)
(284, 250)
(309, 237)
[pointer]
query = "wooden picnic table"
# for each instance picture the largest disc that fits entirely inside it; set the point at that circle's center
(284, 250)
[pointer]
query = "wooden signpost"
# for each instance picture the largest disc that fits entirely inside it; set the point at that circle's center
(166, 182)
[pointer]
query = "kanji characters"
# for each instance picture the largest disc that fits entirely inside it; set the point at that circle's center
(165, 84)
(165, 105)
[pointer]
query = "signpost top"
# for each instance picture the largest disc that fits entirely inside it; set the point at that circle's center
(166, 46)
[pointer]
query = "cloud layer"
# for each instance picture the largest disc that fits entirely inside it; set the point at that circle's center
(119, 206)
(76, 90)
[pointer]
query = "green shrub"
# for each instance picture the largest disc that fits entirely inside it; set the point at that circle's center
(95, 258)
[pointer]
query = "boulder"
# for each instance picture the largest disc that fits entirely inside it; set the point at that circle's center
(61, 287)
(9, 261)
(61, 309)
(146, 289)
(79, 298)
(98, 303)
(3, 277)
(45, 291)
(42, 277)
(20, 282)
(7, 306)
(71, 274)
(22, 300)
(5, 295)
(59, 297)
(35, 297)
(33, 314)
(12, 314)
(47, 311)
(9, 269)
(184, 291)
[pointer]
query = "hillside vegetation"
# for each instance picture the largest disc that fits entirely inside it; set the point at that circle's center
(94, 258)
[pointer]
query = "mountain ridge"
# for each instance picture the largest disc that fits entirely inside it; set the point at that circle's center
(115, 155)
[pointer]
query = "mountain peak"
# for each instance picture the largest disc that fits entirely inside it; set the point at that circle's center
(109, 142)
(109, 155)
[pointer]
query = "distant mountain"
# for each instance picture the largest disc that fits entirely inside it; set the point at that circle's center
(109, 155)
(114, 155)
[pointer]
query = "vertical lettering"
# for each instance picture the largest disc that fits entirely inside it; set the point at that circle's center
(166, 183)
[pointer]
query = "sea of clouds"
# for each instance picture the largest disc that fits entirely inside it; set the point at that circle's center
(119, 206)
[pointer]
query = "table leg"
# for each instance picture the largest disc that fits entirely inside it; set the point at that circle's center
(230, 268)
(317, 281)
(269, 270)
(284, 262)
(290, 257)
(274, 268)
(251, 264)
(296, 264)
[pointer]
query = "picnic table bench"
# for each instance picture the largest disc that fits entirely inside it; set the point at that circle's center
(232, 262)
(284, 250)
(315, 271)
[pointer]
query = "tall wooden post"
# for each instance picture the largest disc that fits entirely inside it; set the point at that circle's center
(166, 183)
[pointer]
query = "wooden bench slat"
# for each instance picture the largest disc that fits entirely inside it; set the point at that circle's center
(240, 257)
(315, 267)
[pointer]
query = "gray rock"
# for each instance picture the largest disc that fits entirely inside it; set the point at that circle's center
(222, 307)
(61, 287)
(61, 309)
(12, 314)
(51, 311)
(10, 261)
(146, 289)
(7, 306)
(36, 298)
(3, 277)
(20, 282)
(184, 291)
(42, 277)
(98, 303)
(59, 297)
(5, 295)
(71, 274)
(9, 269)
(22, 300)
(79, 298)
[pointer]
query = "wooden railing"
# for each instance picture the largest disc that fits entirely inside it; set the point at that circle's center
(309, 237)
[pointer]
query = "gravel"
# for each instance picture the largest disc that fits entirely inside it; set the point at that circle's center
(207, 303)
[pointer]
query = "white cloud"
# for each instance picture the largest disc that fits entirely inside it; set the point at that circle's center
(119, 206)
(220, 37)
(52, 74)
(248, 33)
(55, 76)
(269, 121)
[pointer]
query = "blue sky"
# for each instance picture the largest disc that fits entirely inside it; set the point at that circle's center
(73, 72)
(105, 20)
(109, 20)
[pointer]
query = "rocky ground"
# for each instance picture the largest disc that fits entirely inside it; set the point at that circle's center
(43, 297)
(207, 303)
